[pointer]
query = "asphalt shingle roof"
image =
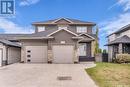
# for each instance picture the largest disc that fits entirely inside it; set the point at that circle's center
(38, 34)
(12, 36)
(7, 42)
(74, 21)
(123, 39)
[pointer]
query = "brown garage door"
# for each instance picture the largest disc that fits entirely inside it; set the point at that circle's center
(63, 54)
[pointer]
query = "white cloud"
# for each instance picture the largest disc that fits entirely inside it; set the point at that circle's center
(108, 27)
(10, 27)
(119, 21)
(28, 2)
(125, 3)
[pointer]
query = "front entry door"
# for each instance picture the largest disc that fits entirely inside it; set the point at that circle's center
(84, 52)
(82, 49)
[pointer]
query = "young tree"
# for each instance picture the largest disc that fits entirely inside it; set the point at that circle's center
(96, 43)
(104, 51)
(99, 50)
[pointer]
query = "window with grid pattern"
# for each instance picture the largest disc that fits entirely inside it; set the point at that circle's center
(81, 29)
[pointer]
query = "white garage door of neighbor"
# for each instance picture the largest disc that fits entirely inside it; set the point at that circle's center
(63, 54)
(36, 54)
(0, 57)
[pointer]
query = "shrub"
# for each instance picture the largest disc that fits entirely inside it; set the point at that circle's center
(122, 58)
(99, 50)
(104, 51)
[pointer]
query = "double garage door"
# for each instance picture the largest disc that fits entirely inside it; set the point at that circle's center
(61, 54)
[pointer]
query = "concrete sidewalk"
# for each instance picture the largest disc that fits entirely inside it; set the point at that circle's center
(45, 75)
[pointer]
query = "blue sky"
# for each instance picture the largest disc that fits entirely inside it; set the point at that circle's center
(110, 15)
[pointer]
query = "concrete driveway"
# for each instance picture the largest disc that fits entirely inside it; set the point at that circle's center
(45, 75)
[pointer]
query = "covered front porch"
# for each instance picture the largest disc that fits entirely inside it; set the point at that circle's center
(119, 46)
(85, 52)
(86, 48)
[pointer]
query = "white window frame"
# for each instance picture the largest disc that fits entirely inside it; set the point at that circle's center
(62, 27)
(81, 29)
(41, 28)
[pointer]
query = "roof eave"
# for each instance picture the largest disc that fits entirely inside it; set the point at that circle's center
(26, 38)
(43, 24)
(93, 24)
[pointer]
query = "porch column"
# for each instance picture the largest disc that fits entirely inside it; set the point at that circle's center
(92, 48)
(49, 52)
(76, 57)
(120, 48)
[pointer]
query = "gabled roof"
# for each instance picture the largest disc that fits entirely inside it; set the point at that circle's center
(72, 21)
(123, 39)
(62, 19)
(125, 28)
(87, 35)
(61, 30)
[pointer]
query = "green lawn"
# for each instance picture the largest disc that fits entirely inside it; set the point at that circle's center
(110, 75)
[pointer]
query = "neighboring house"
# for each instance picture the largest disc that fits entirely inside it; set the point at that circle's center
(9, 52)
(61, 40)
(119, 42)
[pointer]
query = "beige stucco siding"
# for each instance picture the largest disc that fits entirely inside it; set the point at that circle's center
(14, 55)
(34, 42)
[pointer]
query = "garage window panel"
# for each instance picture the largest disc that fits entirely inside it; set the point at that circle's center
(28, 60)
(28, 55)
(29, 51)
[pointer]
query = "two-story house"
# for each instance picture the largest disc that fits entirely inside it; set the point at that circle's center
(119, 42)
(61, 40)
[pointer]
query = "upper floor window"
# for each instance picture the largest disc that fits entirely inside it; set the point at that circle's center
(81, 29)
(62, 27)
(41, 28)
